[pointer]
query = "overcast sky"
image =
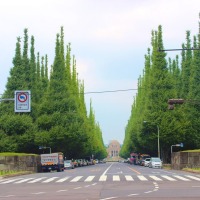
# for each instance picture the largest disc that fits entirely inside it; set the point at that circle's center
(109, 39)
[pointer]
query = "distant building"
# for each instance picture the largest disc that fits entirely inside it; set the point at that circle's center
(113, 149)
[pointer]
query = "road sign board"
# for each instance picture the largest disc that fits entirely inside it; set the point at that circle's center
(23, 101)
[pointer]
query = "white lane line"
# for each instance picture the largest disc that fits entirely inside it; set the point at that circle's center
(7, 196)
(132, 195)
(103, 178)
(181, 178)
(148, 192)
(76, 179)
(89, 178)
(155, 178)
(61, 190)
(109, 198)
(36, 180)
(62, 179)
(39, 193)
(193, 177)
(50, 179)
(129, 178)
(169, 178)
(116, 178)
(24, 180)
(77, 188)
(142, 178)
(107, 169)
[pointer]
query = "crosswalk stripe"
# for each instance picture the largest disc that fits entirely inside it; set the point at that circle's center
(142, 178)
(62, 179)
(89, 178)
(155, 178)
(181, 178)
(50, 179)
(36, 180)
(193, 177)
(129, 178)
(10, 181)
(103, 178)
(168, 178)
(116, 178)
(76, 179)
(24, 180)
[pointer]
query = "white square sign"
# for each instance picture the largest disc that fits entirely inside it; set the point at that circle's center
(23, 101)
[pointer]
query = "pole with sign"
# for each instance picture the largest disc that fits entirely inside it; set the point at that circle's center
(23, 101)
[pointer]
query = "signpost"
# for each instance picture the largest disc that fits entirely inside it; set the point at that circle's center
(22, 101)
(176, 145)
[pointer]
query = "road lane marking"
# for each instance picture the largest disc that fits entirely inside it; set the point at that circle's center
(169, 178)
(129, 178)
(39, 193)
(134, 170)
(132, 195)
(109, 198)
(24, 180)
(10, 181)
(76, 179)
(61, 190)
(107, 169)
(181, 178)
(36, 180)
(77, 188)
(193, 177)
(50, 179)
(89, 178)
(103, 178)
(116, 178)
(155, 178)
(62, 179)
(142, 178)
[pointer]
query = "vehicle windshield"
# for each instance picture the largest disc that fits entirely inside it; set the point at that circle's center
(156, 159)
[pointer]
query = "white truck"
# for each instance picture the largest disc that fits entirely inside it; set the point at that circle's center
(53, 161)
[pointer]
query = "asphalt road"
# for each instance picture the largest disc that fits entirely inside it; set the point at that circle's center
(107, 181)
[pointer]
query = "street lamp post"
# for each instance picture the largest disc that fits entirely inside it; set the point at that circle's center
(158, 138)
(158, 141)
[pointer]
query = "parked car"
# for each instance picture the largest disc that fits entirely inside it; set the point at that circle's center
(146, 162)
(80, 162)
(155, 162)
(68, 164)
(75, 163)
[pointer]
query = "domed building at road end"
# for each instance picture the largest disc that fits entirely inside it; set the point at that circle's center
(113, 149)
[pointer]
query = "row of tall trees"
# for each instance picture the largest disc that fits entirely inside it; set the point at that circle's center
(58, 117)
(163, 79)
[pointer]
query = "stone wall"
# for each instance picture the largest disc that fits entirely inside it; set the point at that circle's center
(20, 163)
(180, 160)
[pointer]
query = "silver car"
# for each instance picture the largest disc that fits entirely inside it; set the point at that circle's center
(155, 162)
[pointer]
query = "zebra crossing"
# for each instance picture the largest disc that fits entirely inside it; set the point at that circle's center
(103, 178)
